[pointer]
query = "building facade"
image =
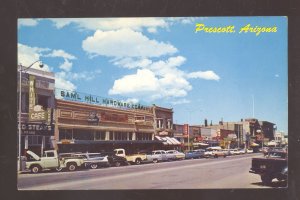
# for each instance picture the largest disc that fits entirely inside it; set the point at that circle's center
(37, 104)
(85, 127)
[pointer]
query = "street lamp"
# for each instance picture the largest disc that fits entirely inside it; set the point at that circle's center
(20, 104)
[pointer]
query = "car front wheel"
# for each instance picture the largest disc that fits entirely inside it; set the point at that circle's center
(94, 166)
(58, 169)
(36, 169)
(117, 164)
(138, 161)
(72, 166)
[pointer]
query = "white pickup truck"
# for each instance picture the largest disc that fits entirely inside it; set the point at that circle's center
(134, 158)
(51, 160)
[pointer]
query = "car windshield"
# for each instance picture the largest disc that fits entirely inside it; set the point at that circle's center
(277, 155)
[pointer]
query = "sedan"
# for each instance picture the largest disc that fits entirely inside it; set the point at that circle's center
(195, 154)
(175, 155)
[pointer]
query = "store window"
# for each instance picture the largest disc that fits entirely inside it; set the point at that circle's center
(120, 136)
(139, 118)
(43, 101)
(159, 123)
(143, 136)
(99, 135)
(65, 134)
(169, 124)
(34, 140)
(79, 134)
(111, 135)
(130, 136)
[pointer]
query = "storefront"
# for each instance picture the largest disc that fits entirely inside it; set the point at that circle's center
(37, 104)
(94, 124)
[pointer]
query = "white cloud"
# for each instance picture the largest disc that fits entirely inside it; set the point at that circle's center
(62, 83)
(27, 22)
(67, 66)
(131, 63)
(182, 20)
(143, 81)
(108, 24)
(151, 24)
(207, 75)
(73, 76)
(132, 100)
(60, 53)
(180, 101)
(125, 43)
(167, 80)
(63, 79)
(28, 55)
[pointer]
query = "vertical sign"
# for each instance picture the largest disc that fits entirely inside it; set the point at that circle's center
(49, 116)
(185, 129)
(31, 92)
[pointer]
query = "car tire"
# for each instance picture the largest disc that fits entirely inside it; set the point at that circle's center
(138, 161)
(117, 164)
(155, 161)
(35, 169)
(94, 166)
(58, 169)
(72, 166)
(266, 179)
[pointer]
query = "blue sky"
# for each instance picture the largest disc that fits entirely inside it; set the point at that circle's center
(163, 61)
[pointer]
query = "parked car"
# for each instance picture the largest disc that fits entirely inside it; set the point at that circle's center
(175, 155)
(249, 150)
(195, 154)
(162, 155)
(156, 156)
(94, 160)
(215, 152)
(242, 151)
(131, 158)
(51, 160)
(235, 152)
(274, 165)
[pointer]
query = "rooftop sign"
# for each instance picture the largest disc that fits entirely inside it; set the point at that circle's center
(96, 100)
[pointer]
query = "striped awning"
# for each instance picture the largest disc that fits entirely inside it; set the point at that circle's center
(168, 140)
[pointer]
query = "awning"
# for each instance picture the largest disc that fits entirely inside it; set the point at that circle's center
(168, 140)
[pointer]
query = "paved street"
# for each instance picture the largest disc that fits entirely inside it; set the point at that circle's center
(229, 172)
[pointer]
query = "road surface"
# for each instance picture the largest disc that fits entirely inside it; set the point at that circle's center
(229, 172)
